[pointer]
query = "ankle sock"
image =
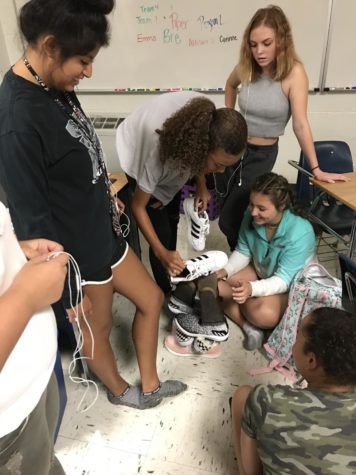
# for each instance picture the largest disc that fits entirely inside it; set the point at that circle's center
(133, 397)
(166, 389)
(254, 335)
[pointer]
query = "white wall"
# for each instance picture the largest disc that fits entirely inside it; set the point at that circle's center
(8, 21)
(332, 115)
(4, 57)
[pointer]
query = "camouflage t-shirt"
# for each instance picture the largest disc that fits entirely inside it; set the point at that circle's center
(302, 431)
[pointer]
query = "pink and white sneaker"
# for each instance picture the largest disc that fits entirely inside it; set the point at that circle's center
(198, 348)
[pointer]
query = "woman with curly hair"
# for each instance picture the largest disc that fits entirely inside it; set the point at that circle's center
(273, 86)
(168, 140)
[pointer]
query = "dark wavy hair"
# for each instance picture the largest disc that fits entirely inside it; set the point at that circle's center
(280, 192)
(78, 26)
(196, 130)
(331, 335)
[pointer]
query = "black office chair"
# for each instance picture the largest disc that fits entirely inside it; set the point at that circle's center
(348, 279)
(326, 213)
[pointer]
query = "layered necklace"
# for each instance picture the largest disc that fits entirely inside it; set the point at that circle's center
(72, 111)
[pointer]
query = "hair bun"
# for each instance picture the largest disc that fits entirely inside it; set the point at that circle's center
(102, 6)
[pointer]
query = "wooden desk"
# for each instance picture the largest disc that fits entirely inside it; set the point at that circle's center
(345, 192)
(120, 188)
(118, 181)
(341, 190)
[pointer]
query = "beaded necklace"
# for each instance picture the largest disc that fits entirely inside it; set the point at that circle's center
(71, 110)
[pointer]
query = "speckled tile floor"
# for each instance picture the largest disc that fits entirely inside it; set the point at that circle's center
(186, 435)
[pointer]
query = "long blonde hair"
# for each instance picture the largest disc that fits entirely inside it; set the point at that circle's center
(272, 17)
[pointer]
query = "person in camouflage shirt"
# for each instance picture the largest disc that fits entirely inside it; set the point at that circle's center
(285, 430)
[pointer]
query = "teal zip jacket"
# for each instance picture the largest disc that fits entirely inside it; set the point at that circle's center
(291, 248)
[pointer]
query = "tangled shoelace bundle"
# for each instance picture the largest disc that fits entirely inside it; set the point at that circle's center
(72, 265)
(206, 229)
(124, 227)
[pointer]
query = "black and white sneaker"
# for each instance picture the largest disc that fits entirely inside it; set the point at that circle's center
(183, 339)
(190, 325)
(198, 225)
(176, 306)
(205, 264)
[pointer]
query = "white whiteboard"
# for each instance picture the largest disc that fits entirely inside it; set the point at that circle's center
(195, 43)
(341, 67)
(162, 44)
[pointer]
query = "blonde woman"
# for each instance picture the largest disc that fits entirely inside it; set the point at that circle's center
(273, 87)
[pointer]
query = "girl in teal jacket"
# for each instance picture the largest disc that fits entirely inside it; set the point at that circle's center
(274, 244)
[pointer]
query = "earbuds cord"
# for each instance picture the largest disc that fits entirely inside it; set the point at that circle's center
(224, 194)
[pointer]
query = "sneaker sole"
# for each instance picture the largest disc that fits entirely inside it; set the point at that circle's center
(177, 307)
(219, 338)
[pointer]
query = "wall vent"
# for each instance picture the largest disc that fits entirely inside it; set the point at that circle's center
(102, 122)
(105, 126)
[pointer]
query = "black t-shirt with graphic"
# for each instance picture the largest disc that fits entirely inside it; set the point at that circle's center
(50, 174)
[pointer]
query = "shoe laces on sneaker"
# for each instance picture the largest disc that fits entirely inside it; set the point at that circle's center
(198, 224)
(206, 263)
(205, 227)
(202, 222)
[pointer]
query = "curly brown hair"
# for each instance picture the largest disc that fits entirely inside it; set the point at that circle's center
(198, 129)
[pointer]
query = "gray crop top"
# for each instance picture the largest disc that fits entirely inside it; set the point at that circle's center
(265, 107)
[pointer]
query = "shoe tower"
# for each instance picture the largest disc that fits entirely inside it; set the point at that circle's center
(191, 338)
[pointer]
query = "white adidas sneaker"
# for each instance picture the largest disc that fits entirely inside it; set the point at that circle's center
(198, 225)
(205, 264)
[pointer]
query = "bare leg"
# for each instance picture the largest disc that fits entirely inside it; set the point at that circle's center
(131, 279)
(100, 320)
(256, 313)
(265, 312)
